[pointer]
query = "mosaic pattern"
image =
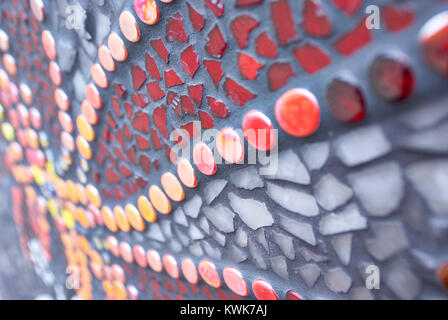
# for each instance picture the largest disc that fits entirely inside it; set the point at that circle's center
(91, 102)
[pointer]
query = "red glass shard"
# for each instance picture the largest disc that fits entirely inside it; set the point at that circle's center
(279, 74)
(175, 30)
(248, 66)
(247, 3)
(159, 47)
(218, 108)
(154, 90)
(265, 46)
(349, 7)
(241, 28)
(125, 171)
(128, 108)
(116, 106)
(192, 129)
(190, 60)
(283, 20)
(138, 77)
(112, 176)
(354, 40)
(216, 6)
(206, 120)
(397, 18)
(140, 100)
(215, 43)
(315, 20)
(159, 119)
(151, 66)
(215, 71)
(120, 90)
(142, 142)
(155, 140)
(237, 93)
(187, 106)
(141, 121)
(131, 155)
(144, 163)
(311, 57)
(195, 93)
(197, 19)
(172, 79)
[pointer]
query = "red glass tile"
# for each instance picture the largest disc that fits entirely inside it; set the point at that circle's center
(215, 71)
(292, 295)
(263, 290)
(279, 74)
(187, 106)
(265, 46)
(258, 130)
(154, 91)
(159, 119)
(142, 142)
(172, 79)
(354, 40)
(195, 93)
(237, 93)
(392, 77)
(350, 7)
(112, 176)
(315, 20)
(297, 112)
(159, 47)
(175, 28)
(141, 121)
(311, 58)
(151, 66)
(248, 66)
(138, 77)
(247, 3)
(197, 19)
(346, 100)
(206, 120)
(216, 6)
(397, 18)
(218, 108)
(215, 45)
(190, 60)
(433, 39)
(283, 20)
(155, 140)
(235, 281)
(140, 100)
(241, 28)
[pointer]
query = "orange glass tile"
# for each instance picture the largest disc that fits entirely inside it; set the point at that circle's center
(172, 187)
(93, 96)
(83, 147)
(55, 73)
(134, 217)
(129, 26)
(154, 261)
(117, 48)
(189, 270)
(10, 64)
(65, 121)
(99, 76)
(109, 219)
(26, 94)
(105, 58)
(159, 200)
(31, 138)
(61, 99)
(89, 112)
(121, 219)
(85, 129)
(93, 195)
(204, 159)
(170, 265)
(49, 44)
(146, 209)
(186, 173)
(230, 146)
(67, 141)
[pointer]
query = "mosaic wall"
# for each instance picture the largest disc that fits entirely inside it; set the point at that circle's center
(97, 97)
